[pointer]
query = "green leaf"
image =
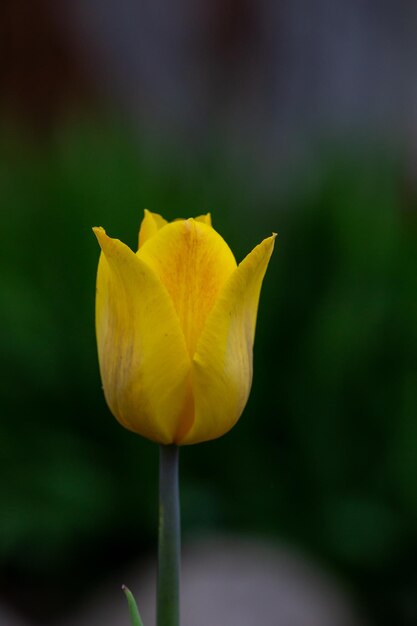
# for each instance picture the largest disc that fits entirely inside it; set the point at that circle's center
(133, 609)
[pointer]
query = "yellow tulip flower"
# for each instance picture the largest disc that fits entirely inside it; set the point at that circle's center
(175, 326)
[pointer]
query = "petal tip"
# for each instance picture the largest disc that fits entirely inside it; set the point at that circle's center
(99, 232)
(103, 239)
(271, 240)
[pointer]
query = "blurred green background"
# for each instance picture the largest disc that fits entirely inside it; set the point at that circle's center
(324, 457)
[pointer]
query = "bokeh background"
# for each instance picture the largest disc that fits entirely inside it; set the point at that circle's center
(289, 116)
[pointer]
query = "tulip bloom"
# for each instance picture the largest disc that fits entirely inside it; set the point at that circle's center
(175, 326)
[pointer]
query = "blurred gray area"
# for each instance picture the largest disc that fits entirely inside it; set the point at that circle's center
(232, 582)
(8, 618)
(227, 581)
(275, 74)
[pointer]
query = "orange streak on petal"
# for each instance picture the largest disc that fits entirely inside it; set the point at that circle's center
(193, 262)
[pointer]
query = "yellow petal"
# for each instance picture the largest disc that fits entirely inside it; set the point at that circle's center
(204, 219)
(222, 364)
(193, 262)
(144, 364)
(150, 225)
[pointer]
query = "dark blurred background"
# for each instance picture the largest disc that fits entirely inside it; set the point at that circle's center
(290, 116)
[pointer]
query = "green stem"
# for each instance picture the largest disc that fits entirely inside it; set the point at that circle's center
(169, 539)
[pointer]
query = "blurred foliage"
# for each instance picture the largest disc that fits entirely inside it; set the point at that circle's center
(325, 454)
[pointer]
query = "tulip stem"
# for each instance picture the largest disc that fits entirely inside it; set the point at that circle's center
(169, 539)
